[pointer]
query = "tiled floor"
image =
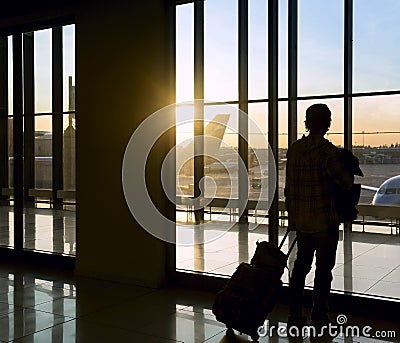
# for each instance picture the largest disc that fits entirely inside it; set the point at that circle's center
(49, 308)
(366, 263)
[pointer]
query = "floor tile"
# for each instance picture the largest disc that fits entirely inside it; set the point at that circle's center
(349, 284)
(390, 289)
(107, 292)
(205, 265)
(66, 306)
(393, 276)
(23, 322)
(375, 260)
(6, 308)
(185, 326)
(82, 332)
(361, 271)
(36, 295)
(131, 315)
(90, 298)
(182, 298)
(12, 283)
(229, 269)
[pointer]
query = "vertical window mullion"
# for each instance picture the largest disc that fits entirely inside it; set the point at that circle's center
(199, 103)
(29, 122)
(292, 70)
(243, 105)
(57, 117)
(273, 115)
(170, 261)
(3, 117)
(348, 72)
(348, 85)
(18, 178)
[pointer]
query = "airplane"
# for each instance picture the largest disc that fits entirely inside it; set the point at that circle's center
(222, 167)
(213, 135)
(388, 193)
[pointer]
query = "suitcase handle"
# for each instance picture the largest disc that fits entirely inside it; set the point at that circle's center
(283, 241)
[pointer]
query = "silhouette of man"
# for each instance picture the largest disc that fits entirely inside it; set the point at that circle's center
(313, 163)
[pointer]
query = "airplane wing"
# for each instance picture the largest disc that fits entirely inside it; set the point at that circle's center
(369, 188)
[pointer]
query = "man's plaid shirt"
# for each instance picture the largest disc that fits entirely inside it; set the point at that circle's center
(312, 163)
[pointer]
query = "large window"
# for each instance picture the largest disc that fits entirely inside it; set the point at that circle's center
(38, 127)
(339, 53)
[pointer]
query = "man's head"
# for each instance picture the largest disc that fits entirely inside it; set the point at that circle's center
(318, 119)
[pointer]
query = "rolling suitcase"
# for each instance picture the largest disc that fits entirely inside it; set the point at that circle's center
(250, 293)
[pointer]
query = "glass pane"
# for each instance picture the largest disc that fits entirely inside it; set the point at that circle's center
(184, 151)
(336, 131)
(376, 142)
(221, 152)
(282, 147)
(283, 124)
(258, 49)
(184, 53)
(258, 139)
(221, 50)
(69, 67)
(320, 47)
(43, 152)
(282, 49)
(376, 45)
(42, 70)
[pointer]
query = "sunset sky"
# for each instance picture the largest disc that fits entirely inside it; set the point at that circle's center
(42, 72)
(376, 61)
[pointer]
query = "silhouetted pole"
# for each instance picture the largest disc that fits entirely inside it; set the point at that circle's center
(273, 224)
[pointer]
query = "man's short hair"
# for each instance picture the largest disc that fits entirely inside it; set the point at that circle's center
(318, 118)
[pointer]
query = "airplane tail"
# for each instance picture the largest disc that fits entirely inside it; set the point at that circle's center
(213, 135)
(217, 126)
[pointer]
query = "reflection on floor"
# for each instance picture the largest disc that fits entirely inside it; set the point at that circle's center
(366, 263)
(38, 308)
(45, 229)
